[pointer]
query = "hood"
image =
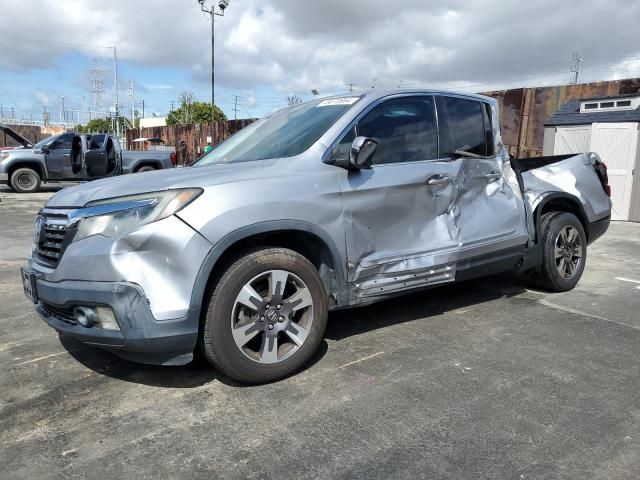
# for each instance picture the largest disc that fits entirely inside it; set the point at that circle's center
(139, 183)
(16, 136)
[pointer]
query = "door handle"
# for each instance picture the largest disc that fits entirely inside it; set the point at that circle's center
(438, 179)
(493, 174)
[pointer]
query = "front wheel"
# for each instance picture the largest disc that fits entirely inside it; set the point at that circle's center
(266, 316)
(25, 180)
(564, 251)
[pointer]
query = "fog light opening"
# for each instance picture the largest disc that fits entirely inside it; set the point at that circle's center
(85, 316)
(98, 317)
(105, 319)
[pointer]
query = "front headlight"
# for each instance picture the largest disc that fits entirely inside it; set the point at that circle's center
(117, 216)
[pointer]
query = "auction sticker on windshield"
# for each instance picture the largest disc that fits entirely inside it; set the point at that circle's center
(338, 101)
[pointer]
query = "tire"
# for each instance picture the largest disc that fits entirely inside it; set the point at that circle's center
(146, 168)
(564, 251)
(25, 180)
(284, 314)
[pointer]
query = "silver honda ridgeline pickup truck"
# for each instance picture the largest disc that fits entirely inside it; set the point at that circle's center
(329, 204)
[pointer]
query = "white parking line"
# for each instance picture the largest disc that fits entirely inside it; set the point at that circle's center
(630, 280)
(49, 356)
(360, 360)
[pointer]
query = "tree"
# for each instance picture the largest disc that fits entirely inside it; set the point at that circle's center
(102, 125)
(191, 111)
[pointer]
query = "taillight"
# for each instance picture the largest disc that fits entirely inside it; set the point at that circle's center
(174, 158)
(601, 170)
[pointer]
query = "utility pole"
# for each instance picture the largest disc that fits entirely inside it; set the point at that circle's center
(115, 87)
(1, 111)
(350, 85)
(172, 102)
(63, 116)
(577, 60)
(143, 108)
(13, 112)
(222, 6)
(235, 107)
(133, 104)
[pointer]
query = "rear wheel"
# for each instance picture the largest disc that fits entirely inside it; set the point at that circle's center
(146, 168)
(25, 180)
(266, 317)
(564, 251)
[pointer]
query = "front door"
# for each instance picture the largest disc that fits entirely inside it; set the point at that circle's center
(398, 223)
(58, 158)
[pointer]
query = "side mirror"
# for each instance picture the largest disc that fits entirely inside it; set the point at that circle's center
(360, 154)
(45, 148)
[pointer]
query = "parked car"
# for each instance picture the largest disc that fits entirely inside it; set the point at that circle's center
(16, 137)
(329, 204)
(75, 157)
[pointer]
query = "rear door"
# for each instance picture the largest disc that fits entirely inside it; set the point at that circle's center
(95, 160)
(489, 212)
(396, 214)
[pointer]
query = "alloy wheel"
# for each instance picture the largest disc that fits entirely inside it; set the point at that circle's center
(568, 251)
(272, 316)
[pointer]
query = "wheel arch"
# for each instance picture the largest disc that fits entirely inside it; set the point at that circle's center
(308, 239)
(32, 164)
(147, 163)
(560, 202)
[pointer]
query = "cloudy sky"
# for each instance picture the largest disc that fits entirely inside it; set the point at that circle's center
(269, 49)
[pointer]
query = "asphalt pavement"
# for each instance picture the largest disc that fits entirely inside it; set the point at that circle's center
(485, 379)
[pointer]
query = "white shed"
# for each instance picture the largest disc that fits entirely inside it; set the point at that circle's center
(608, 126)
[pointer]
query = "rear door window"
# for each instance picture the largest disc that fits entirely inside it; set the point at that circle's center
(466, 125)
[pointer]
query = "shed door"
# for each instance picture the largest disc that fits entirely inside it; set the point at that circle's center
(572, 140)
(616, 143)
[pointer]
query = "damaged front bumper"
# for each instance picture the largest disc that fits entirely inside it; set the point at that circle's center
(138, 336)
(136, 290)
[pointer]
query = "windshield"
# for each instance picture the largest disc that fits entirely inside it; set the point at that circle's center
(285, 133)
(46, 141)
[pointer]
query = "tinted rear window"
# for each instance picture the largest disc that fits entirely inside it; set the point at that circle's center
(466, 124)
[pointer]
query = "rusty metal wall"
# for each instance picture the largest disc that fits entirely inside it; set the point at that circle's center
(523, 111)
(33, 133)
(189, 140)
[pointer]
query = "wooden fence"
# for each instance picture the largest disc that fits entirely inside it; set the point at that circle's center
(188, 140)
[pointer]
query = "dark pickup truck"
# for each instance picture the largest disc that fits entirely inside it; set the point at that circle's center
(75, 157)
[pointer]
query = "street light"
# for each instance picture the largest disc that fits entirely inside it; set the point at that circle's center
(222, 6)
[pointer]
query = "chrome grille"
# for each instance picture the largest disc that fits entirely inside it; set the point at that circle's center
(51, 238)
